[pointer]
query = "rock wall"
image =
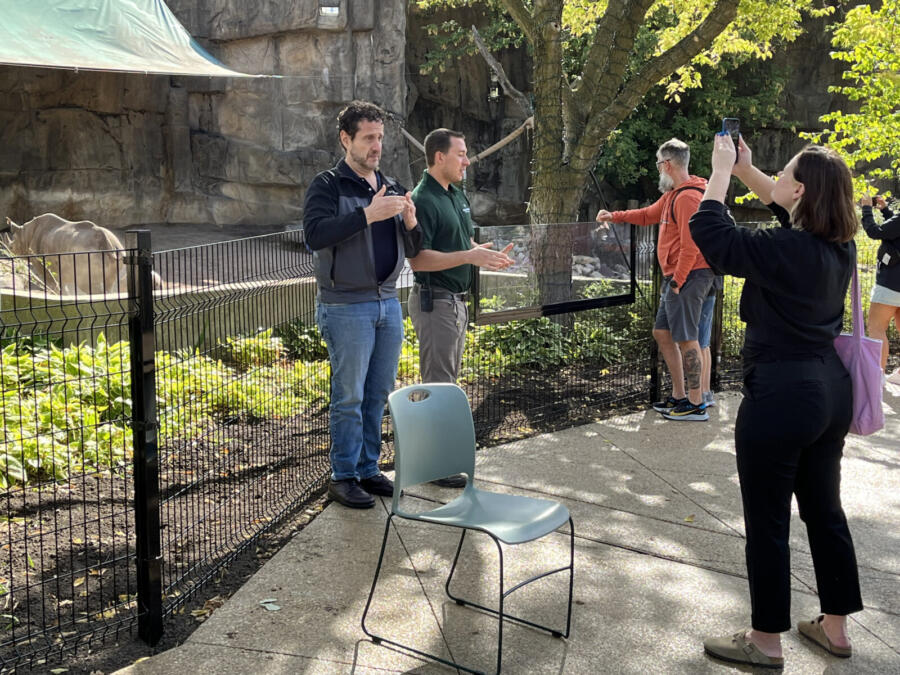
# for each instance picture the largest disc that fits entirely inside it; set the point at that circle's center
(128, 149)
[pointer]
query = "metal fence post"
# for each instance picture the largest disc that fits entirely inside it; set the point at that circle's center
(654, 347)
(144, 426)
(715, 342)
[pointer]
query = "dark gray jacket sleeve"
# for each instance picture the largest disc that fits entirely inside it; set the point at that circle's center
(322, 226)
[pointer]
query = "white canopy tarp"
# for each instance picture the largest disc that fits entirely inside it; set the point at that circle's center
(136, 36)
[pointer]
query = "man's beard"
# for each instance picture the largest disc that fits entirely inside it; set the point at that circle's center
(665, 182)
(364, 161)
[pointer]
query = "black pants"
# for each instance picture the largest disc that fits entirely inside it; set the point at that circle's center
(789, 439)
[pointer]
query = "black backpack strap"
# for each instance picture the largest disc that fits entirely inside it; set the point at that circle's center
(675, 196)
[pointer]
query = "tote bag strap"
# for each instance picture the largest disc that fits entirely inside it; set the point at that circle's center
(858, 325)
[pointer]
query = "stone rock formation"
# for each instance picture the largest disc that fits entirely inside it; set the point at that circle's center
(129, 149)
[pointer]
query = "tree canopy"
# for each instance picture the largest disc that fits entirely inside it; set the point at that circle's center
(868, 41)
(594, 62)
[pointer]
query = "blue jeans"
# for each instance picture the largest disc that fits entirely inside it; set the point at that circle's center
(364, 341)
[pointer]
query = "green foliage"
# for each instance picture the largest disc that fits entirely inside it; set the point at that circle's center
(250, 352)
(868, 42)
(750, 92)
(758, 27)
(63, 410)
(67, 410)
(408, 368)
(732, 326)
(536, 342)
(302, 341)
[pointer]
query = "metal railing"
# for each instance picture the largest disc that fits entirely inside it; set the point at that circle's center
(152, 432)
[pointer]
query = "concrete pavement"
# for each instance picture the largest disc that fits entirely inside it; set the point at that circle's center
(659, 567)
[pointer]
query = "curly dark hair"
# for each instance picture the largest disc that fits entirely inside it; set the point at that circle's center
(356, 111)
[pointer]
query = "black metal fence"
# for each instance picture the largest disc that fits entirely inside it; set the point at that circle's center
(152, 431)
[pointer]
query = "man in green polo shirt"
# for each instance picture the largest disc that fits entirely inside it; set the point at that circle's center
(445, 267)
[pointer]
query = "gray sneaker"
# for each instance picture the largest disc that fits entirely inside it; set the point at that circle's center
(709, 399)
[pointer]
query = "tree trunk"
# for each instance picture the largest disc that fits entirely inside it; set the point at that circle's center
(556, 189)
(555, 197)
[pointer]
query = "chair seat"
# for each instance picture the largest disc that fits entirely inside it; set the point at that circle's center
(512, 519)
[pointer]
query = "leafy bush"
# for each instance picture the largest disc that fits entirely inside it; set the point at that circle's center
(254, 351)
(408, 367)
(63, 410)
(302, 341)
(68, 410)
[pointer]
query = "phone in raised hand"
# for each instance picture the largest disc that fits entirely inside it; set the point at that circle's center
(732, 126)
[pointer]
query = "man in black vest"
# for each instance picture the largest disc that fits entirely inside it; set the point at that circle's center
(360, 224)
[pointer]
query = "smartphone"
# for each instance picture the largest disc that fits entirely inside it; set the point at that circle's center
(732, 126)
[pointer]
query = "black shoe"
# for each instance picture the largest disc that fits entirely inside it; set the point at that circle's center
(379, 484)
(686, 411)
(349, 493)
(667, 404)
(457, 480)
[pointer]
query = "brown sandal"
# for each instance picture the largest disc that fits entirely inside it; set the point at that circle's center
(736, 649)
(812, 630)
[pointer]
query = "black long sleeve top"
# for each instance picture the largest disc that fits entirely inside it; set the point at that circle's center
(796, 282)
(889, 231)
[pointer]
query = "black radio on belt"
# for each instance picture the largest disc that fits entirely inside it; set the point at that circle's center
(426, 300)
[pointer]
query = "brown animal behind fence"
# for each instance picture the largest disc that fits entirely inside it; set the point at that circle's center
(75, 258)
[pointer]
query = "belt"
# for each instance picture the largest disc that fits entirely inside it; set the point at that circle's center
(443, 293)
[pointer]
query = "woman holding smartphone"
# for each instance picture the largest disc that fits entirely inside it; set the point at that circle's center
(796, 410)
(885, 305)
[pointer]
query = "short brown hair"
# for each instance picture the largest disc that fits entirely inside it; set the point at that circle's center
(439, 141)
(355, 112)
(825, 208)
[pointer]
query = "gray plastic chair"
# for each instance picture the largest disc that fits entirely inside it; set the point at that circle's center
(433, 438)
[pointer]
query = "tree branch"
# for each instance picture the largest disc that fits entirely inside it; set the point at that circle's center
(497, 69)
(602, 123)
(609, 54)
(604, 38)
(520, 14)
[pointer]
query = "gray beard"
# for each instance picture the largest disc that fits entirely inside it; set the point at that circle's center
(665, 183)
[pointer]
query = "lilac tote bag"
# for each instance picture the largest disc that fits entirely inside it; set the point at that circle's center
(862, 359)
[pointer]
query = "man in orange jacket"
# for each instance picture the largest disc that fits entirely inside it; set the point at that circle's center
(688, 278)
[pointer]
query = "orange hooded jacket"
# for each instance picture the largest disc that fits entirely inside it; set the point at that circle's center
(677, 253)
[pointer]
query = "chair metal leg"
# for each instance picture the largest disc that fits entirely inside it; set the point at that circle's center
(570, 567)
(499, 613)
(459, 546)
(387, 527)
(378, 639)
(571, 576)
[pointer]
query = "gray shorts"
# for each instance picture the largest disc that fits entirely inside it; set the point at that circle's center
(679, 313)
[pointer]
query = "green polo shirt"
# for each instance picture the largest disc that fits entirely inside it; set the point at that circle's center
(444, 216)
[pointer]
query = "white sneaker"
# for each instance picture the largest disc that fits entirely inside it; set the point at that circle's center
(894, 378)
(709, 399)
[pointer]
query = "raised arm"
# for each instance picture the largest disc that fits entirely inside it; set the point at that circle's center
(752, 177)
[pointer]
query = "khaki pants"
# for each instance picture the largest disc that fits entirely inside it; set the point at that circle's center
(442, 336)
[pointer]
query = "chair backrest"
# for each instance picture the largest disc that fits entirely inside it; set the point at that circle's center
(433, 434)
